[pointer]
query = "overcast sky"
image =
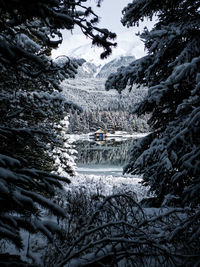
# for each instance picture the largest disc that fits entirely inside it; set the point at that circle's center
(110, 14)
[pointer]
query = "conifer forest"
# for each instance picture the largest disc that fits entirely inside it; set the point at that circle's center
(99, 151)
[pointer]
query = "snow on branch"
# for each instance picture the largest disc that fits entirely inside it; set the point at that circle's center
(121, 232)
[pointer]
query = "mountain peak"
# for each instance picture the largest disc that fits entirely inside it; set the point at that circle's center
(92, 54)
(91, 70)
(113, 65)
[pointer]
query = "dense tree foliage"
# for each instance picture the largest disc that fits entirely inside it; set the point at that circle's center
(114, 231)
(32, 112)
(169, 157)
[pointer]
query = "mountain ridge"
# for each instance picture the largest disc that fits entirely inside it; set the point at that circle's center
(92, 54)
(92, 70)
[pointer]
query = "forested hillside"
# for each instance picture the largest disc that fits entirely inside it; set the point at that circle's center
(110, 110)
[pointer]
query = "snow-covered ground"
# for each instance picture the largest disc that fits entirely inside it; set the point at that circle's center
(105, 185)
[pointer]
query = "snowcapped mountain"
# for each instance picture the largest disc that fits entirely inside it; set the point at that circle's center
(113, 65)
(94, 66)
(88, 89)
(88, 70)
(100, 107)
(91, 70)
(92, 54)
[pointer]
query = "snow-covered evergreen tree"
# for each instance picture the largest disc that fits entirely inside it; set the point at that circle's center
(32, 112)
(169, 158)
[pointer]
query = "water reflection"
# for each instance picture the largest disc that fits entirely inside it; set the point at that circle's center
(106, 157)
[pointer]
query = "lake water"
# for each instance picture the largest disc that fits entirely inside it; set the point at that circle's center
(103, 158)
(100, 167)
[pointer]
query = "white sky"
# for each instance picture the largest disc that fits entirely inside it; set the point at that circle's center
(110, 15)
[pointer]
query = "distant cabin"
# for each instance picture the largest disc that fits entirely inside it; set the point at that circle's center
(100, 135)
